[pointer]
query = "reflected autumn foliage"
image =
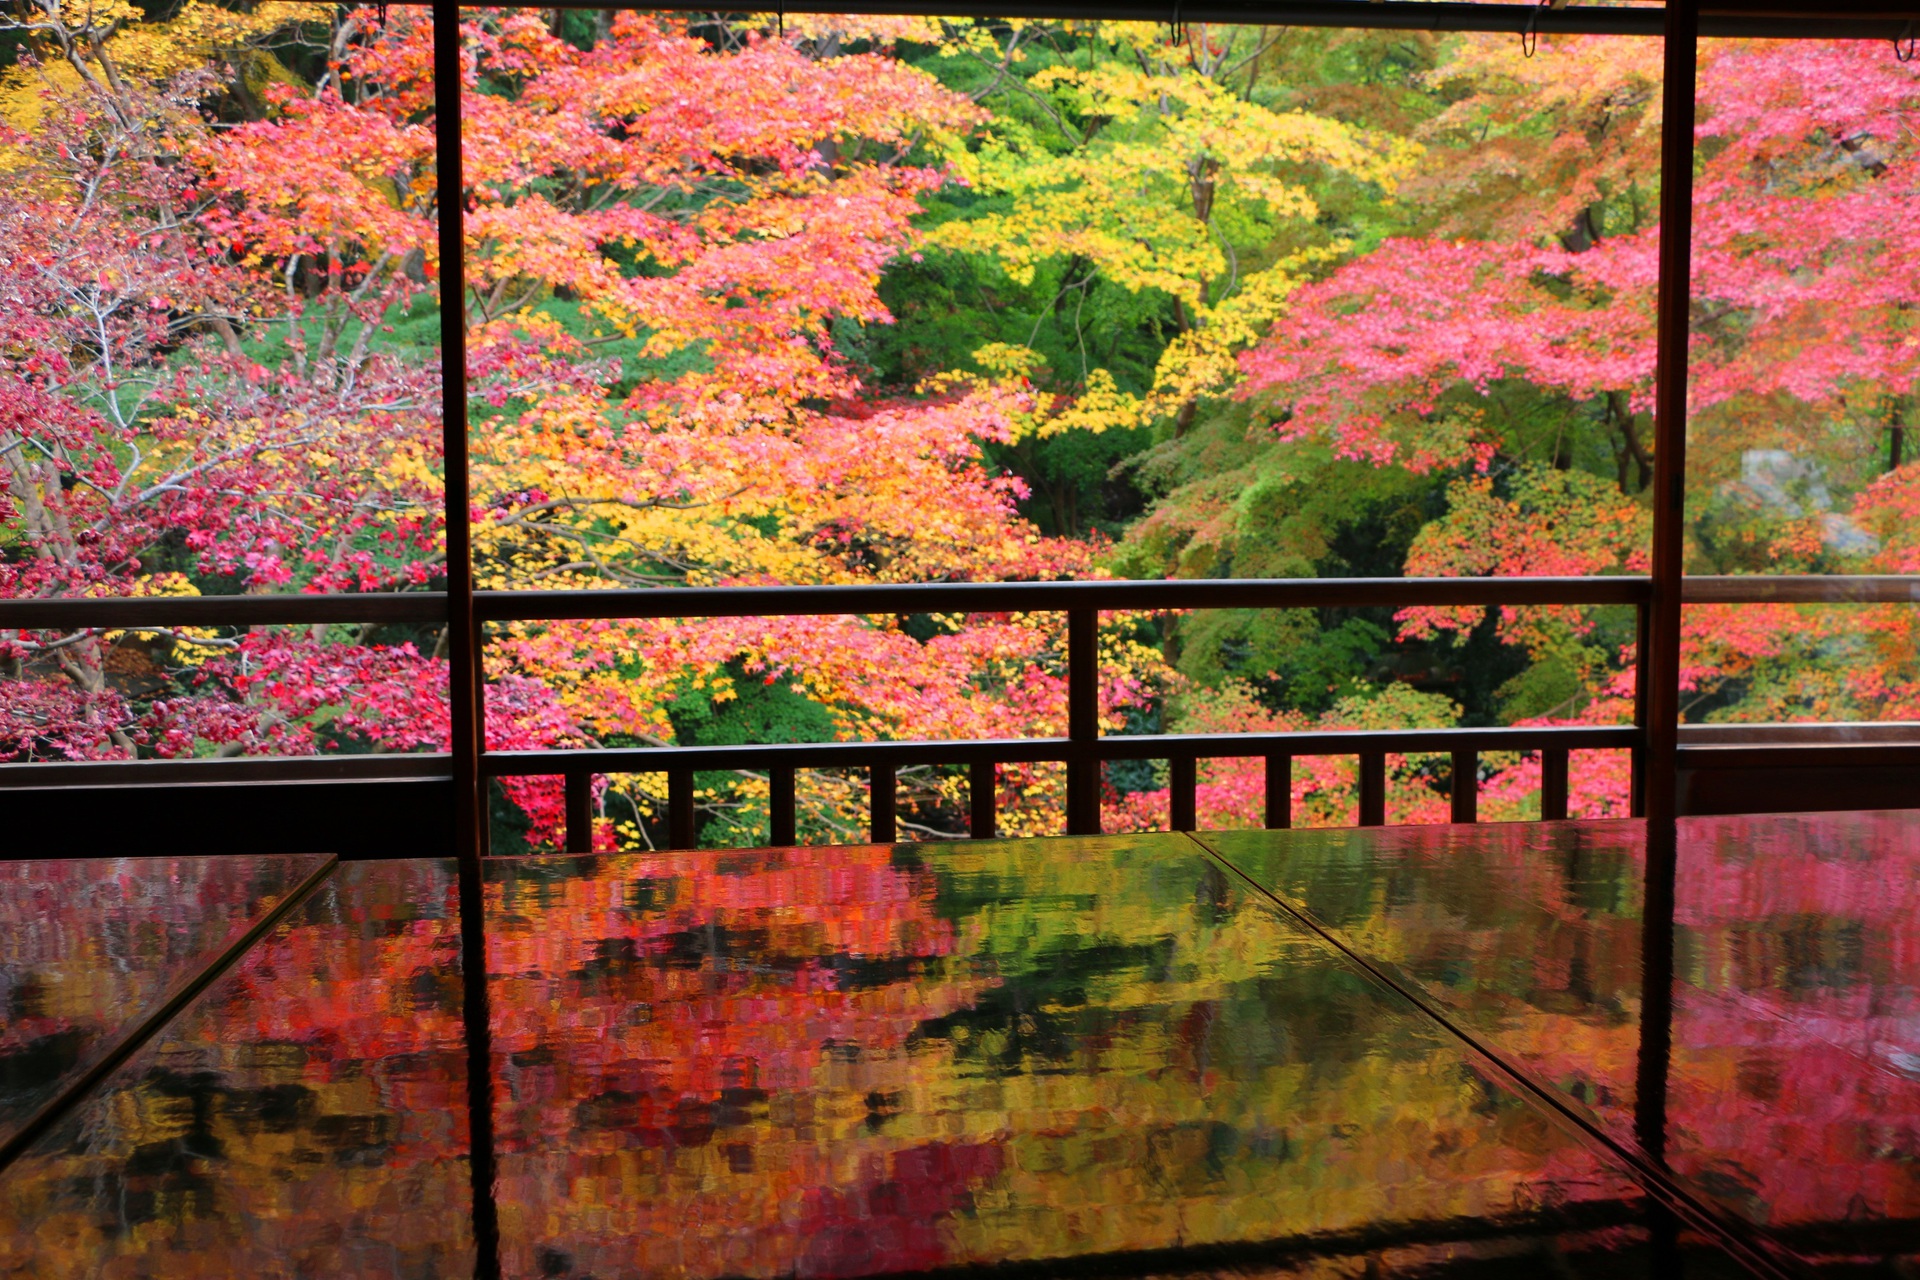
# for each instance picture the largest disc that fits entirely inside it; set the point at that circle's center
(1795, 1090)
(89, 948)
(1794, 1078)
(846, 1061)
(854, 1061)
(307, 1116)
(653, 1012)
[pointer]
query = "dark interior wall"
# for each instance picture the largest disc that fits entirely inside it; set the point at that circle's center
(383, 818)
(1799, 779)
(412, 817)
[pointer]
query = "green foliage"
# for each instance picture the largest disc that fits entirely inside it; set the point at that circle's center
(508, 827)
(409, 329)
(1286, 654)
(751, 710)
(1074, 488)
(1553, 687)
(756, 711)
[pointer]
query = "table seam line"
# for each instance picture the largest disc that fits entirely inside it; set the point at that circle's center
(1714, 1219)
(183, 994)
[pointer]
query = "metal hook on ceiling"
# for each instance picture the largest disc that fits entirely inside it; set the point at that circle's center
(1176, 29)
(1529, 38)
(1912, 44)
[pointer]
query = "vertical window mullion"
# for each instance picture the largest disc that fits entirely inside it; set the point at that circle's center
(466, 714)
(1662, 665)
(464, 691)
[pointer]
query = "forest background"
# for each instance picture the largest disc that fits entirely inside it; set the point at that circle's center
(881, 300)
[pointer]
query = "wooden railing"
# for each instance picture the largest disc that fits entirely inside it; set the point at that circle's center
(1083, 748)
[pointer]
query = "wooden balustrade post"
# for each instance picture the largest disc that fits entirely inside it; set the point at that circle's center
(1466, 786)
(1182, 779)
(1083, 720)
(1373, 788)
(680, 816)
(1553, 783)
(1279, 787)
(579, 810)
(982, 796)
(782, 819)
(881, 786)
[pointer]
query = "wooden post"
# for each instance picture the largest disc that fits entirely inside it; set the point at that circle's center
(1466, 786)
(880, 804)
(1279, 792)
(1662, 667)
(982, 795)
(1373, 788)
(781, 819)
(579, 811)
(465, 705)
(680, 825)
(1083, 720)
(1553, 783)
(1182, 778)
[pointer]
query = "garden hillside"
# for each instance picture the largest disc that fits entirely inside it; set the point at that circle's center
(868, 300)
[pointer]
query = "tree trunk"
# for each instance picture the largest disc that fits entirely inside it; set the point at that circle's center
(1632, 447)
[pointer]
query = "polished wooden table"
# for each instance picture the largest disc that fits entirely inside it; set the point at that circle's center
(1442, 1051)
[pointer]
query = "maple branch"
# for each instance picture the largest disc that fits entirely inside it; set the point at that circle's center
(177, 482)
(1266, 43)
(98, 633)
(632, 504)
(1621, 411)
(336, 56)
(581, 536)
(269, 719)
(1073, 135)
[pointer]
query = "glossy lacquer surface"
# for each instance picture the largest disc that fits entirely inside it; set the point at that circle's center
(304, 1117)
(92, 948)
(840, 1062)
(1793, 1079)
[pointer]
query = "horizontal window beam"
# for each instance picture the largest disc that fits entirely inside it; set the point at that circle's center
(1801, 754)
(1199, 746)
(430, 607)
(1043, 597)
(238, 771)
(1856, 20)
(1814, 733)
(1804, 588)
(131, 613)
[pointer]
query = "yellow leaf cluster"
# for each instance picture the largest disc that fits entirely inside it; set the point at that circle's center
(1126, 200)
(141, 50)
(1202, 361)
(201, 32)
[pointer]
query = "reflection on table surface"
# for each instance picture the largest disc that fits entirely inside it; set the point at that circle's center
(1793, 1083)
(1111, 1056)
(306, 1116)
(90, 948)
(851, 1061)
